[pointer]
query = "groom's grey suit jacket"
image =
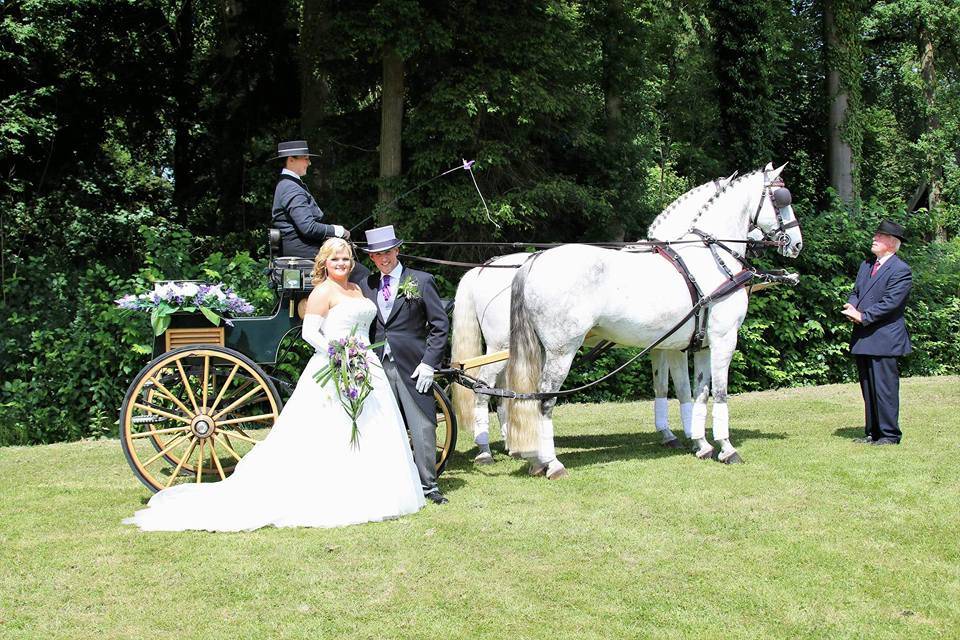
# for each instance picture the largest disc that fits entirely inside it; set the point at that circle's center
(416, 329)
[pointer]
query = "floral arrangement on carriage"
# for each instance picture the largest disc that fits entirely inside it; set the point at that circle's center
(215, 301)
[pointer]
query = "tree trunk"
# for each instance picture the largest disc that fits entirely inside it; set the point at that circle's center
(935, 159)
(186, 99)
(391, 123)
(613, 110)
(840, 58)
(315, 89)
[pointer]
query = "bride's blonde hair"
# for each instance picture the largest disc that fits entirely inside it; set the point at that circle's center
(327, 249)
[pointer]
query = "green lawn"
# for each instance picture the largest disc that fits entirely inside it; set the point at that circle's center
(813, 537)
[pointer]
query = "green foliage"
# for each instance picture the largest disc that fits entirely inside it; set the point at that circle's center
(133, 137)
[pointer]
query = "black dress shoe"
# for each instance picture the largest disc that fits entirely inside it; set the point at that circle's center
(884, 441)
(864, 440)
(437, 498)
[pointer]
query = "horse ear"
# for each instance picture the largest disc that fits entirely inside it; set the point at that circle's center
(776, 172)
(769, 167)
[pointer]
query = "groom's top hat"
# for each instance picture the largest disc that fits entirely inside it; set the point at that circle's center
(381, 239)
(293, 148)
(892, 229)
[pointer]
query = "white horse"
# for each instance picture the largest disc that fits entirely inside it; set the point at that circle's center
(636, 299)
(482, 309)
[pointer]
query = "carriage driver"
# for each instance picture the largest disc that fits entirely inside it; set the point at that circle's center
(295, 212)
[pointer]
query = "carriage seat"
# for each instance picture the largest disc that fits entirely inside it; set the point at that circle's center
(288, 272)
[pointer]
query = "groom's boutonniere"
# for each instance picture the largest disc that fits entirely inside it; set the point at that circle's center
(409, 288)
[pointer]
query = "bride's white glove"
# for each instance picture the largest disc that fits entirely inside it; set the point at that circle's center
(424, 377)
(313, 332)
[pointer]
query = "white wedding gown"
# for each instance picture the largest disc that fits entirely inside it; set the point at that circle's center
(306, 473)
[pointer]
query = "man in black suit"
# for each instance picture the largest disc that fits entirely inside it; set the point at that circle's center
(296, 213)
(414, 325)
(876, 307)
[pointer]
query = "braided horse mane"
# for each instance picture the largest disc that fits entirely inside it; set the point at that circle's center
(672, 225)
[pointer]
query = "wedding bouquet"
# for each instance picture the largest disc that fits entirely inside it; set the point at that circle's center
(349, 369)
(212, 300)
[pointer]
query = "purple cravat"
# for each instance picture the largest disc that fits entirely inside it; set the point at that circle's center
(385, 288)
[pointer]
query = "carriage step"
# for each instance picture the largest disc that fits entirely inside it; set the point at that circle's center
(147, 419)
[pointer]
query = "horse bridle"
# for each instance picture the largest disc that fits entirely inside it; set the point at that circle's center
(781, 198)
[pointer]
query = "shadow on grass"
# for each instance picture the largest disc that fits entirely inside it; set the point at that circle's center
(848, 433)
(582, 451)
(586, 450)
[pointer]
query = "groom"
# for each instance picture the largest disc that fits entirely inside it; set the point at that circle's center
(413, 324)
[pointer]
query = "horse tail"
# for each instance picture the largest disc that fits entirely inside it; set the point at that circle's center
(466, 344)
(523, 370)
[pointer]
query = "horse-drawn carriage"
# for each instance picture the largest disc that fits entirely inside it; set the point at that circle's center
(206, 400)
(212, 392)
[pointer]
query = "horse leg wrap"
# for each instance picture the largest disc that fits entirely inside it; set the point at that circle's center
(482, 438)
(721, 421)
(660, 414)
(547, 451)
(698, 422)
(686, 417)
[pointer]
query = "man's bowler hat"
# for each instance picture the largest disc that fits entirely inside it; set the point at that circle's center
(892, 229)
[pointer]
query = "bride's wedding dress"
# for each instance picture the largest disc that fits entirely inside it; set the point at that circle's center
(306, 473)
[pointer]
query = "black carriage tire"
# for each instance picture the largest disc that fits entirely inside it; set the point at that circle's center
(170, 357)
(448, 445)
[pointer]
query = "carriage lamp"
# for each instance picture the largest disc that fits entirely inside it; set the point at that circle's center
(292, 279)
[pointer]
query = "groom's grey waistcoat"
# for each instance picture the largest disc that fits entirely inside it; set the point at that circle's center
(416, 329)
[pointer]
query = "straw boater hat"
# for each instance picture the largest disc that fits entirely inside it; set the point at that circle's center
(293, 148)
(381, 239)
(892, 229)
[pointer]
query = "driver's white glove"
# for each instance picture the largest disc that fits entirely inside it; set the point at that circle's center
(424, 377)
(341, 232)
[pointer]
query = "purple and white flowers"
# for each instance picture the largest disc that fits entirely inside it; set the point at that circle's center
(167, 298)
(349, 368)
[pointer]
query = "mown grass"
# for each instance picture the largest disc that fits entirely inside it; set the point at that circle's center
(813, 537)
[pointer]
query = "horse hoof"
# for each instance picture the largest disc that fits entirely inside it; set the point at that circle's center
(484, 457)
(733, 458)
(558, 473)
(516, 455)
(537, 469)
(672, 444)
(704, 454)
(556, 470)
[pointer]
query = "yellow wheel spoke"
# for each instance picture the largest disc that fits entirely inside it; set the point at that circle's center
(170, 445)
(157, 432)
(262, 416)
(216, 458)
(159, 412)
(228, 447)
(200, 461)
(186, 384)
(176, 472)
(245, 438)
(167, 394)
(234, 405)
(206, 378)
(252, 401)
(224, 388)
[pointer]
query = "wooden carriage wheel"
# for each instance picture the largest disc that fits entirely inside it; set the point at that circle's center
(446, 427)
(193, 413)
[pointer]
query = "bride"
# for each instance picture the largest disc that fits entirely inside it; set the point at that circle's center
(306, 473)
